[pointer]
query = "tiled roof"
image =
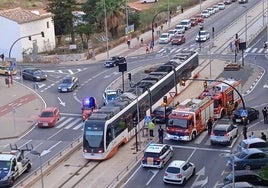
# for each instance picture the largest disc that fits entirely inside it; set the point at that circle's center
(20, 15)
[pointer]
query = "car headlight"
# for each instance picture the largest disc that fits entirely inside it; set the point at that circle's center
(59, 87)
(69, 87)
(37, 77)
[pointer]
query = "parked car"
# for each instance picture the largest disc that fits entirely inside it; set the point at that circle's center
(211, 10)
(180, 29)
(114, 61)
(194, 21)
(33, 74)
(216, 8)
(221, 6)
(240, 185)
(224, 132)
(227, 2)
(205, 13)
(242, 1)
(178, 39)
(4, 70)
(164, 38)
(252, 143)
(48, 117)
(245, 176)
(68, 83)
(252, 115)
(199, 18)
(172, 32)
(178, 172)
(202, 36)
(248, 159)
(157, 155)
(158, 114)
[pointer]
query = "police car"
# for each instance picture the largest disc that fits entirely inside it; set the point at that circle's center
(157, 155)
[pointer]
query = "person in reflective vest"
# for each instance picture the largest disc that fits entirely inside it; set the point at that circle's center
(151, 128)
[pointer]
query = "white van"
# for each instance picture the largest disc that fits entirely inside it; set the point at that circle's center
(186, 24)
(148, 1)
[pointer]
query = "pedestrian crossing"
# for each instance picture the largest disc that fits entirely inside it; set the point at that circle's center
(251, 51)
(165, 51)
(65, 71)
(69, 122)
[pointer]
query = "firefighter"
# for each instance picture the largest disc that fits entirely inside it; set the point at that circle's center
(160, 134)
(209, 125)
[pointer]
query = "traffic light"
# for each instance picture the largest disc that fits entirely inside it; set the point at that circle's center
(30, 38)
(205, 84)
(182, 82)
(165, 100)
(135, 122)
(129, 76)
(43, 34)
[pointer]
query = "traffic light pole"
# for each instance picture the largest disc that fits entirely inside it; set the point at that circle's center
(28, 36)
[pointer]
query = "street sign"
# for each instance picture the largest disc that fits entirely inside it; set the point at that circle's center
(243, 113)
(147, 119)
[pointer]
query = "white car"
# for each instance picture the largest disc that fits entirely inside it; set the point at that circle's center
(216, 8)
(164, 38)
(205, 13)
(180, 29)
(202, 36)
(157, 155)
(221, 6)
(186, 24)
(172, 32)
(178, 172)
(211, 10)
(223, 132)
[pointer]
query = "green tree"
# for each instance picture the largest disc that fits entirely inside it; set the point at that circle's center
(63, 17)
(264, 172)
(84, 31)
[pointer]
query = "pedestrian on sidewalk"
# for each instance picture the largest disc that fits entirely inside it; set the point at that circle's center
(151, 128)
(209, 125)
(166, 21)
(142, 41)
(231, 47)
(264, 112)
(245, 129)
(263, 136)
(147, 48)
(138, 38)
(162, 27)
(128, 43)
(160, 134)
(151, 46)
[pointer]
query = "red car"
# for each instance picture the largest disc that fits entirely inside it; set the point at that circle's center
(199, 18)
(194, 21)
(178, 39)
(48, 117)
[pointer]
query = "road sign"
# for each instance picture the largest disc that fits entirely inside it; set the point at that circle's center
(243, 113)
(147, 119)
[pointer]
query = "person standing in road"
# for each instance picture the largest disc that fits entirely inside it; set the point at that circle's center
(209, 125)
(252, 135)
(264, 112)
(151, 128)
(160, 134)
(263, 136)
(245, 129)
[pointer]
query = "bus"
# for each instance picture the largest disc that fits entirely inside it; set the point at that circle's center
(102, 137)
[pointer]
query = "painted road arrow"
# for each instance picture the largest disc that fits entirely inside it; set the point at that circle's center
(61, 102)
(198, 182)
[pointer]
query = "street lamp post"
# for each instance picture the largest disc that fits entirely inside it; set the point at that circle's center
(246, 24)
(106, 29)
(40, 162)
(168, 15)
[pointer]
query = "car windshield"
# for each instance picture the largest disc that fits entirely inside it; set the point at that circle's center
(47, 114)
(67, 80)
(183, 123)
(164, 36)
(173, 170)
(37, 72)
(4, 165)
(112, 58)
(150, 154)
(219, 132)
(111, 96)
(184, 23)
(171, 32)
(158, 112)
(241, 155)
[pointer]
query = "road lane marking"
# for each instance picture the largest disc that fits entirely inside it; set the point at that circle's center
(72, 123)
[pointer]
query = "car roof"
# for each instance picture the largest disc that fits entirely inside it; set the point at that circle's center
(49, 109)
(244, 172)
(239, 185)
(155, 148)
(221, 126)
(252, 140)
(176, 163)
(252, 150)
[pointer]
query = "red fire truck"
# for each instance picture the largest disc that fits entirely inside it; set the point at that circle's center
(189, 119)
(226, 99)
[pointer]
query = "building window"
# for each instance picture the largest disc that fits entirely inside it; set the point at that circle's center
(47, 24)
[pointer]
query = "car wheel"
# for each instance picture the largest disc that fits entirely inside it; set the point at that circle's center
(211, 143)
(236, 134)
(257, 116)
(184, 181)
(29, 166)
(24, 77)
(193, 173)
(193, 136)
(247, 167)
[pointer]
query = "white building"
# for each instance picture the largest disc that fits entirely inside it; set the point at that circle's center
(17, 25)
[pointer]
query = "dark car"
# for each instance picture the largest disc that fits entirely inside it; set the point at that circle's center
(158, 114)
(68, 84)
(245, 176)
(34, 74)
(114, 61)
(252, 115)
(248, 159)
(178, 39)
(227, 2)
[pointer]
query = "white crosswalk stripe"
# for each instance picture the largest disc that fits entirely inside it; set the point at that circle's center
(67, 122)
(254, 50)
